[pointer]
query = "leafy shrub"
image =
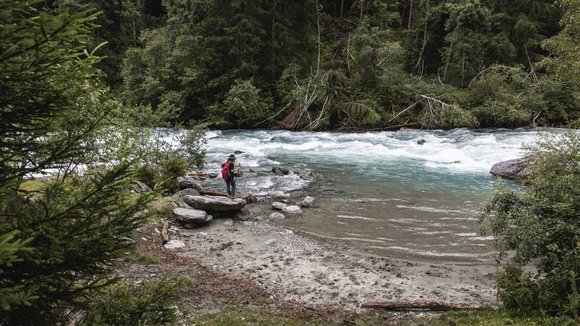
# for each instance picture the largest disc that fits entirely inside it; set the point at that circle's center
(501, 114)
(152, 303)
(518, 292)
(243, 105)
(170, 169)
(448, 117)
(147, 175)
(540, 227)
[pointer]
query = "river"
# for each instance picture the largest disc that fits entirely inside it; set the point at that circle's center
(381, 191)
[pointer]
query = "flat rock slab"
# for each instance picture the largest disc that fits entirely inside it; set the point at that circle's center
(191, 216)
(214, 203)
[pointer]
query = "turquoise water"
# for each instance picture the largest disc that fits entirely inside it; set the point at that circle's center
(382, 191)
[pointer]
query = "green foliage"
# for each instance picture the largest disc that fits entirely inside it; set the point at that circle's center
(243, 105)
(151, 303)
(501, 114)
(518, 292)
(170, 169)
(355, 63)
(490, 317)
(147, 175)
(454, 117)
(564, 46)
(541, 227)
(58, 241)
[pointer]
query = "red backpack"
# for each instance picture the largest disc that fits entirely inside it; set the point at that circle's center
(226, 170)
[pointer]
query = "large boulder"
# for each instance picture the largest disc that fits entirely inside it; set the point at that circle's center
(189, 182)
(191, 217)
(214, 203)
(517, 169)
(178, 196)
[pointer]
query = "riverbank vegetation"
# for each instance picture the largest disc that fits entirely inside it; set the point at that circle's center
(347, 64)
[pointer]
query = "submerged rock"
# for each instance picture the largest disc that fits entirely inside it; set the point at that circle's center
(280, 171)
(517, 169)
(277, 216)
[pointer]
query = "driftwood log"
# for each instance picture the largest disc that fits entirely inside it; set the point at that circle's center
(420, 305)
(165, 232)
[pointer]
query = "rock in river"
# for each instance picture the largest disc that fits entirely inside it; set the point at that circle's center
(516, 169)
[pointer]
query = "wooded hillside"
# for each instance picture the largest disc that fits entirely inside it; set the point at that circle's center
(362, 64)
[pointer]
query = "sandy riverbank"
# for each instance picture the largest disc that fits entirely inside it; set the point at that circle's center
(296, 268)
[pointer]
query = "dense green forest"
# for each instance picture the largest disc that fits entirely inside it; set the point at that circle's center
(344, 64)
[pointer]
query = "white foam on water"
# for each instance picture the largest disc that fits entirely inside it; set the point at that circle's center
(354, 217)
(430, 209)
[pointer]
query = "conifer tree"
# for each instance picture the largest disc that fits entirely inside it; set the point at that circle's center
(57, 242)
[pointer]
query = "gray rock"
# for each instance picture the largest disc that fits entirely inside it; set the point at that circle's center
(292, 210)
(271, 242)
(214, 203)
(212, 175)
(280, 171)
(229, 222)
(178, 196)
(516, 169)
(175, 245)
(307, 202)
(139, 186)
(190, 216)
(189, 182)
(277, 216)
(279, 195)
(278, 205)
(243, 215)
(421, 141)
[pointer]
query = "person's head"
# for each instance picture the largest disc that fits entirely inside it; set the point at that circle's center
(232, 157)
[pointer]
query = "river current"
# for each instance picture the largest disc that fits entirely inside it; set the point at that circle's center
(382, 192)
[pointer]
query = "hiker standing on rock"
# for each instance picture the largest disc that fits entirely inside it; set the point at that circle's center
(228, 173)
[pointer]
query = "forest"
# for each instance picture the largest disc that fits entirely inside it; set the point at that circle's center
(344, 64)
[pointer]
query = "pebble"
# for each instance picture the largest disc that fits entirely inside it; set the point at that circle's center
(271, 242)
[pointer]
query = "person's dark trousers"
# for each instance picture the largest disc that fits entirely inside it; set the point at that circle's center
(231, 186)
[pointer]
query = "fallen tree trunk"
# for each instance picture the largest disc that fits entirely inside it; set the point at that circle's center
(420, 305)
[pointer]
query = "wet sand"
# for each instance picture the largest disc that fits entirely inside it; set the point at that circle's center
(295, 267)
